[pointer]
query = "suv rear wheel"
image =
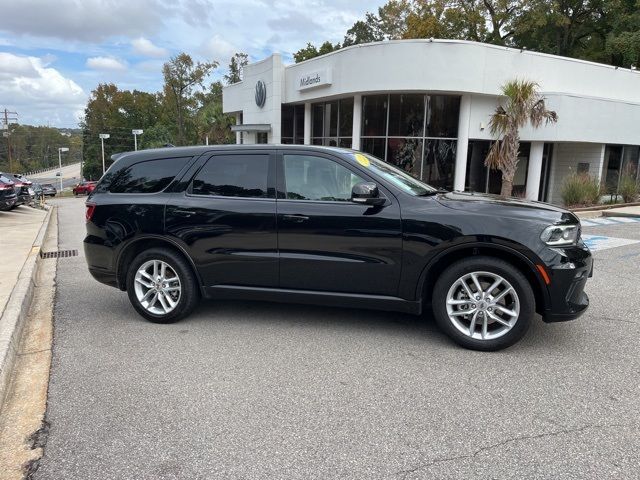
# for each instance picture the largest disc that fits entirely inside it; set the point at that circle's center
(483, 303)
(161, 286)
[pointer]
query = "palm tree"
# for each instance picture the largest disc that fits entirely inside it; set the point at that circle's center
(523, 104)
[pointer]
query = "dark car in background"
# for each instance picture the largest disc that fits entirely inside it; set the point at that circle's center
(7, 193)
(334, 227)
(23, 189)
(84, 188)
(48, 190)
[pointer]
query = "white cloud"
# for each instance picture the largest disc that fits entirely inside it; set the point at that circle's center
(105, 63)
(145, 47)
(217, 48)
(87, 20)
(37, 92)
(13, 65)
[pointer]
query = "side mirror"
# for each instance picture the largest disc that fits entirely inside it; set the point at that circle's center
(367, 193)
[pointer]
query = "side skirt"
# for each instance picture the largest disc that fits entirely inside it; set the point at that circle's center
(309, 297)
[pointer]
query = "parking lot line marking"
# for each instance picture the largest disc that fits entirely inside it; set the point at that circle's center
(594, 222)
(600, 242)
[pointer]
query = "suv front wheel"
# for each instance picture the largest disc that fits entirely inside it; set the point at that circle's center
(161, 286)
(483, 303)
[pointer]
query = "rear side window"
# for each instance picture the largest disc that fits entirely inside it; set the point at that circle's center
(233, 176)
(147, 177)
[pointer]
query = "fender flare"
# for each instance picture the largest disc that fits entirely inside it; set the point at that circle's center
(165, 239)
(511, 250)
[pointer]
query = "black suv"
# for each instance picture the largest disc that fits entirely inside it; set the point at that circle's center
(334, 227)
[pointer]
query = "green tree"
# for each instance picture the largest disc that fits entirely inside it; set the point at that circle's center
(622, 44)
(362, 32)
(181, 76)
(116, 112)
(35, 148)
(236, 64)
(211, 122)
(522, 105)
(573, 28)
(310, 51)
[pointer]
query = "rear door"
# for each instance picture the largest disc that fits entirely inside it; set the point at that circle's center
(327, 242)
(227, 219)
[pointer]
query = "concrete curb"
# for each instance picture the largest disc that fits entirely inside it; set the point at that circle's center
(620, 214)
(15, 313)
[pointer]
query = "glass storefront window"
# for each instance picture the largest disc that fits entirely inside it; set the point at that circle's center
(374, 146)
(393, 130)
(298, 133)
(287, 118)
(346, 117)
(292, 124)
(406, 115)
(374, 115)
(480, 178)
(619, 161)
(345, 142)
(406, 154)
(327, 121)
(439, 162)
(317, 120)
(442, 116)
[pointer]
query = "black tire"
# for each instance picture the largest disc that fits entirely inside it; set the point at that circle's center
(190, 289)
(492, 265)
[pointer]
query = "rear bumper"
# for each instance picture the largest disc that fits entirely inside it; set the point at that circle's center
(104, 276)
(7, 203)
(99, 261)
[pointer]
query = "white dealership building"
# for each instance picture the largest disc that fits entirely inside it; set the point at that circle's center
(424, 105)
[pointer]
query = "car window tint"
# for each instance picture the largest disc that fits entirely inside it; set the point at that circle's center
(146, 177)
(308, 177)
(233, 176)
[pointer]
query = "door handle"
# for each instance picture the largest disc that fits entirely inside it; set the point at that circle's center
(295, 218)
(181, 211)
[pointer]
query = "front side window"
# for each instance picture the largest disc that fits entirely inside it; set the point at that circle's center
(233, 176)
(147, 177)
(308, 177)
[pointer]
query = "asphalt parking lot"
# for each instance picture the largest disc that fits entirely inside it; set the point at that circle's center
(255, 390)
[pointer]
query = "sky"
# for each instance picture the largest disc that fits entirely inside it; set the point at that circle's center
(53, 53)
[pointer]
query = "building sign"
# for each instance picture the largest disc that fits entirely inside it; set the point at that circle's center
(319, 78)
(261, 93)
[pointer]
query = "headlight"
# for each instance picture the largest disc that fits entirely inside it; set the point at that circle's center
(560, 234)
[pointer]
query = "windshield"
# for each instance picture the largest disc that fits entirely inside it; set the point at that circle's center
(394, 175)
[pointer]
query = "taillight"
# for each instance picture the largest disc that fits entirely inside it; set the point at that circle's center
(91, 207)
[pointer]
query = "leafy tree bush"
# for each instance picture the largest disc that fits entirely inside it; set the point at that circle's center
(580, 190)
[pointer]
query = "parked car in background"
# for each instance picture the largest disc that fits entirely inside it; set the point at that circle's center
(84, 188)
(7, 193)
(335, 227)
(49, 190)
(23, 188)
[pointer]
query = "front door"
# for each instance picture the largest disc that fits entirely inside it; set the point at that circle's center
(325, 241)
(227, 219)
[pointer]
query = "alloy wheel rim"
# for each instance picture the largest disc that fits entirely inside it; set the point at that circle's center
(157, 287)
(483, 305)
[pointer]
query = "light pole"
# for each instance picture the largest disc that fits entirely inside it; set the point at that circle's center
(60, 150)
(135, 137)
(103, 136)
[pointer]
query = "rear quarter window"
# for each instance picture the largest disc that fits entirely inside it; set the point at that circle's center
(150, 176)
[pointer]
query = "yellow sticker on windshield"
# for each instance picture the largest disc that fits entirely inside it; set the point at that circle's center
(362, 160)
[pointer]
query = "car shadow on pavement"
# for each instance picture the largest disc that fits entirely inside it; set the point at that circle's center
(297, 319)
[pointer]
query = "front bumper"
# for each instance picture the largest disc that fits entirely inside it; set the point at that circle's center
(567, 299)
